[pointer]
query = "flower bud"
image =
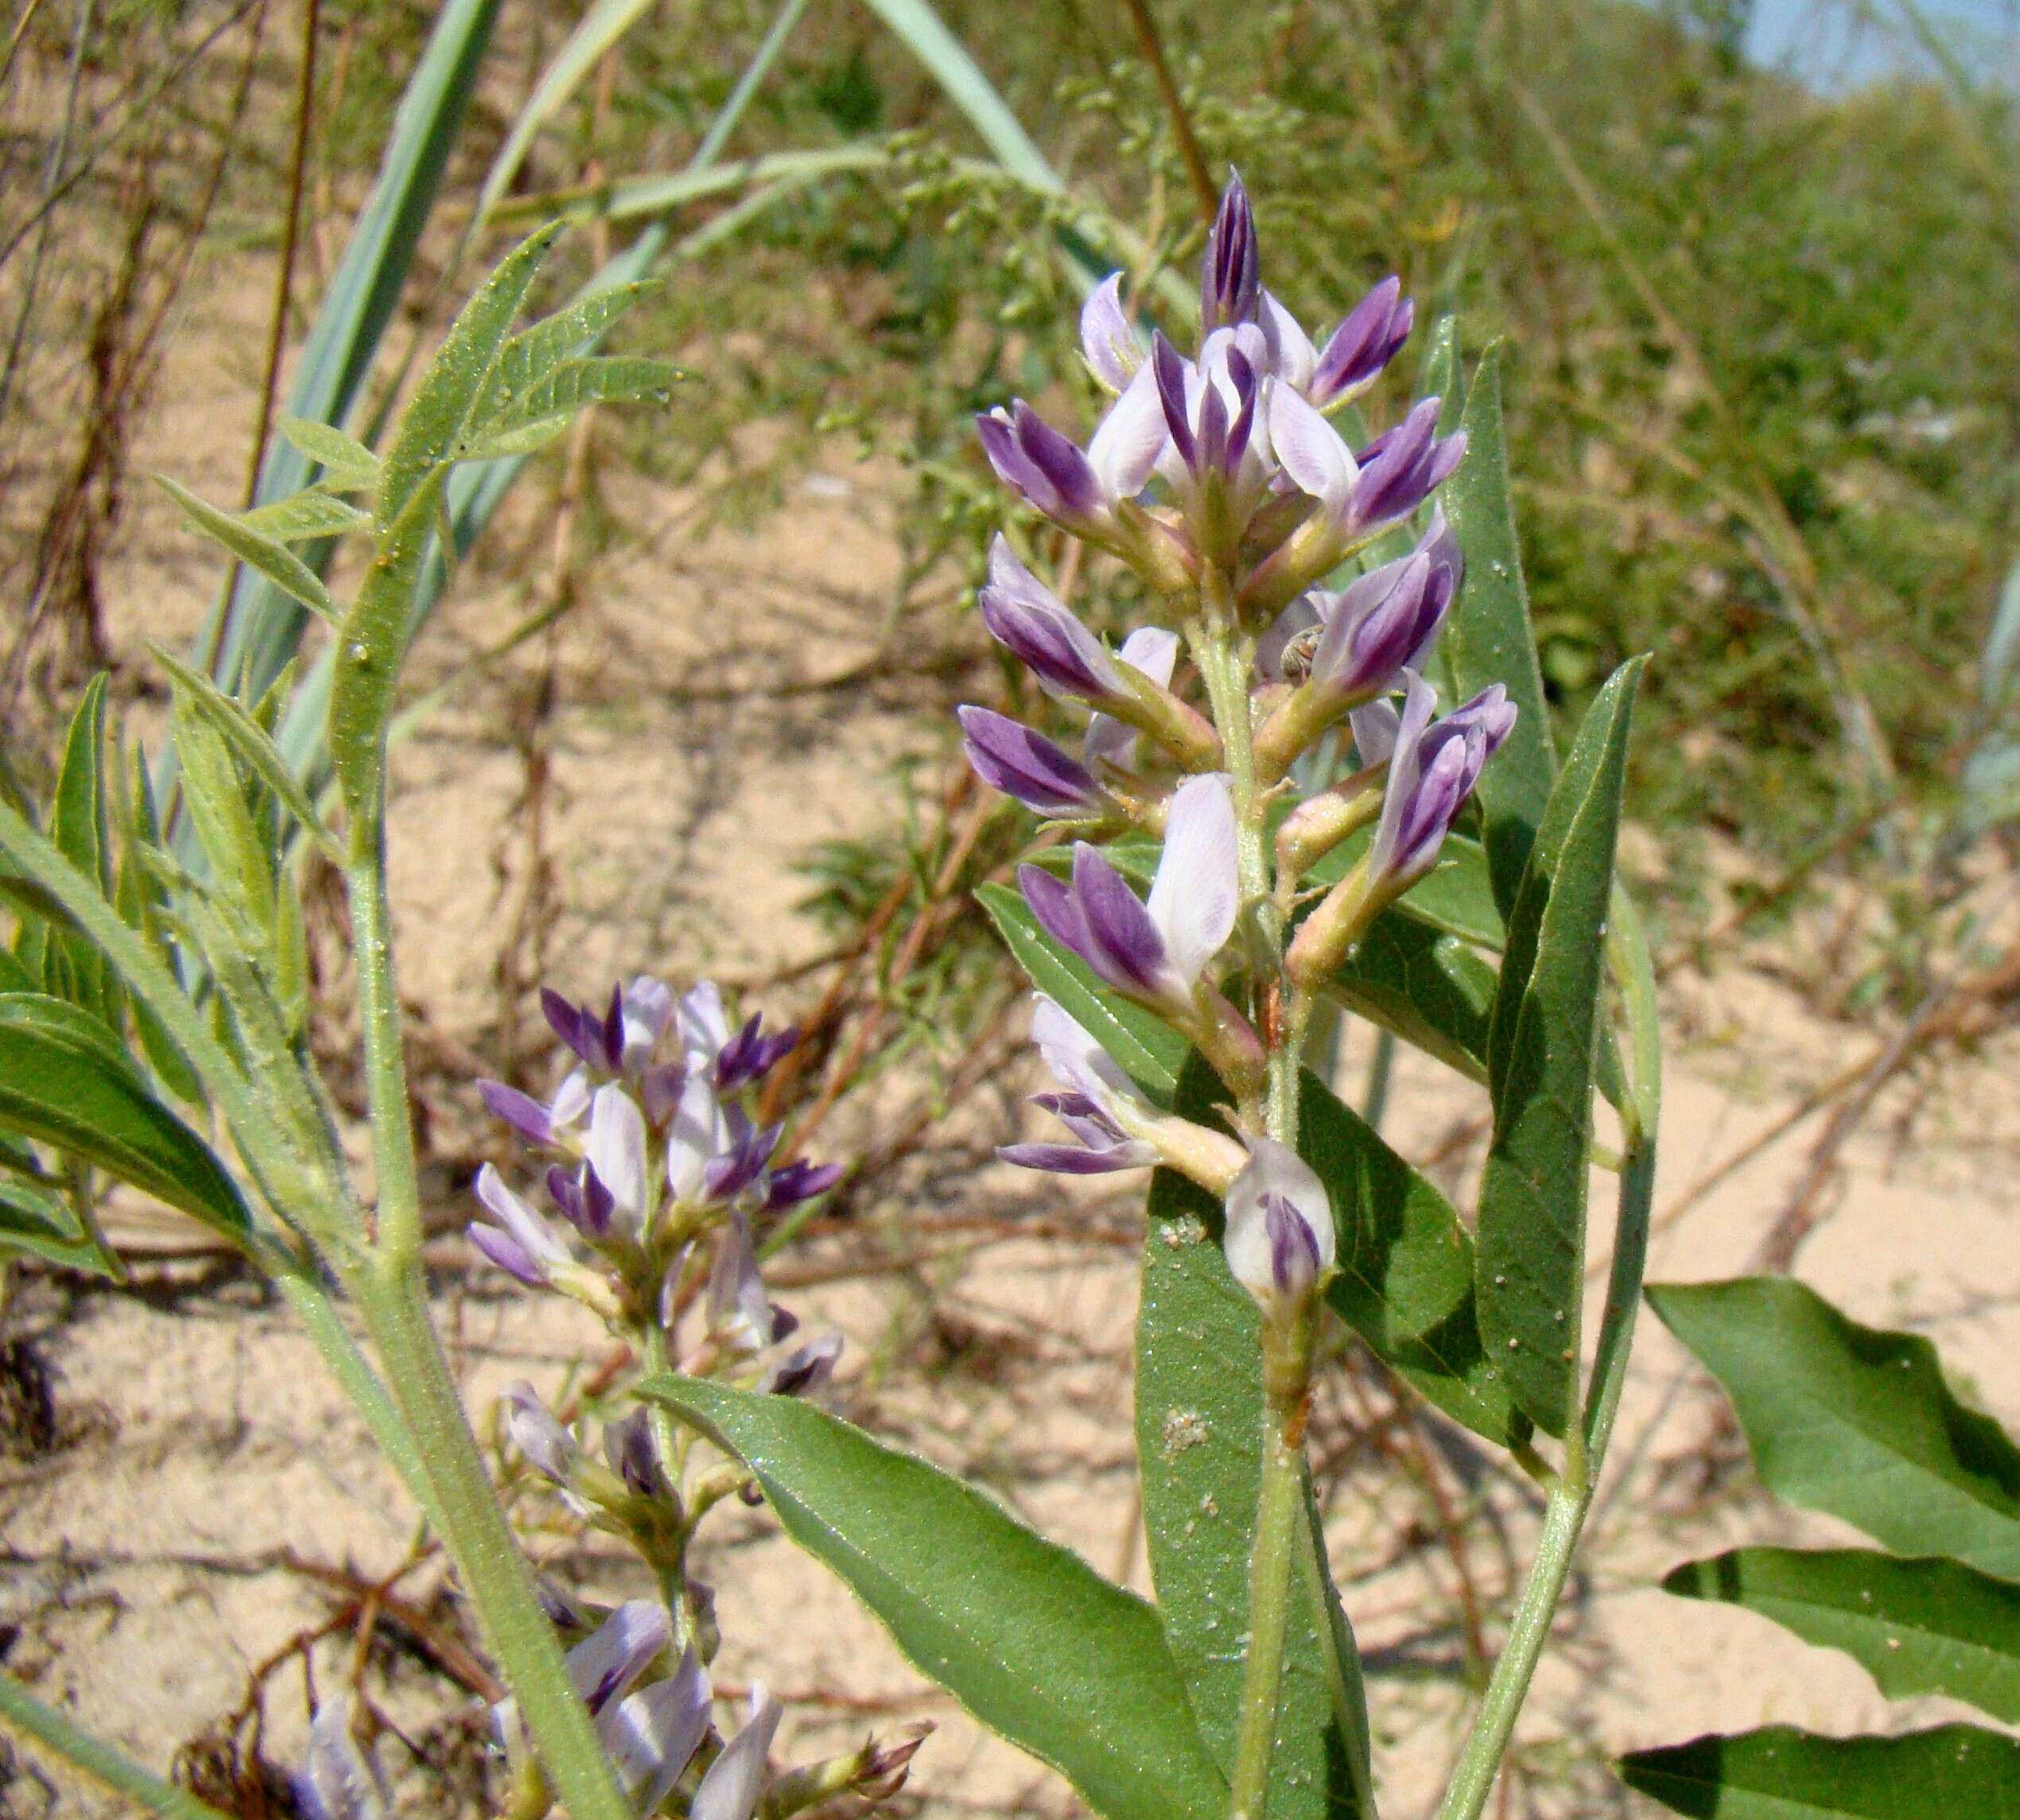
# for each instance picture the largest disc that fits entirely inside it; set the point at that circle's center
(1280, 1238)
(1008, 756)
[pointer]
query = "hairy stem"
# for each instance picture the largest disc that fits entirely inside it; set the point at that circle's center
(20, 1711)
(1287, 1373)
(1479, 1760)
(392, 1296)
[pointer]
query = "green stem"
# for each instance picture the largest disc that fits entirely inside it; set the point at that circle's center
(1479, 1760)
(1340, 1656)
(392, 1297)
(1269, 1595)
(481, 1541)
(23, 1712)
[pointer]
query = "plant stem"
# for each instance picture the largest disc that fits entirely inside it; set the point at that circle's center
(21, 1711)
(1287, 1375)
(392, 1296)
(1479, 1760)
(481, 1541)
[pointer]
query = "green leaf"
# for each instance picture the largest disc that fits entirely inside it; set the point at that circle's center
(1928, 1626)
(1145, 1048)
(373, 646)
(1540, 1068)
(258, 551)
(1028, 1637)
(1405, 1282)
(305, 516)
(591, 379)
(347, 465)
(1853, 1420)
(242, 863)
(1780, 1773)
(14, 975)
(71, 967)
(1488, 640)
(444, 400)
(36, 1223)
(252, 744)
(1439, 377)
(1199, 1427)
(1431, 990)
(522, 439)
(65, 1081)
(533, 354)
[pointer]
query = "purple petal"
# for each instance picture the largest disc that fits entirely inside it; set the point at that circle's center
(793, 1183)
(1375, 328)
(1065, 468)
(521, 1111)
(606, 1663)
(1169, 367)
(531, 1428)
(1008, 756)
(1293, 1251)
(627, 1446)
(652, 1736)
(1123, 945)
(1072, 1160)
(508, 1254)
(1230, 275)
(1015, 469)
(1024, 617)
(804, 1366)
(1107, 337)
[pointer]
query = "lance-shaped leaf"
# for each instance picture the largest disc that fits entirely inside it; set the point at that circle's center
(446, 401)
(1489, 638)
(256, 549)
(347, 465)
(593, 379)
(1780, 1773)
(1540, 1067)
(1928, 1626)
(1199, 1425)
(1405, 1282)
(35, 1222)
(1853, 1420)
(252, 744)
(71, 967)
(1025, 1634)
(305, 516)
(64, 1081)
(1431, 990)
(1148, 1050)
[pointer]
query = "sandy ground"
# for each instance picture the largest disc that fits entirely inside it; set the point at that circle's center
(198, 1497)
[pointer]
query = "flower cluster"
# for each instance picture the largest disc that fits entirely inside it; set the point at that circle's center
(1224, 480)
(658, 1173)
(651, 1146)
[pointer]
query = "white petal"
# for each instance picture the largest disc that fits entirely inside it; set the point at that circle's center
(1151, 651)
(704, 1024)
(1107, 337)
(571, 1099)
(1310, 450)
(1194, 898)
(1108, 740)
(697, 1133)
(1078, 1063)
(1292, 358)
(730, 1791)
(616, 1148)
(1126, 448)
(1273, 1170)
(1374, 731)
(535, 1236)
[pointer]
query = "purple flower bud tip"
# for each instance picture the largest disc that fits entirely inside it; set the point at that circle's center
(508, 1254)
(1036, 628)
(628, 1447)
(1230, 276)
(1373, 333)
(1008, 756)
(806, 1367)
(791, 1183)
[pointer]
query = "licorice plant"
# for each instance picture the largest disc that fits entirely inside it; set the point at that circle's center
(1318, 784)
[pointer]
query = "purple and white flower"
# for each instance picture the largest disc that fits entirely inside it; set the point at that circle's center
(736, 1779)
(1108, 338)
(1156, 951)
(1432, 770)
(1007, 755)
(1037, 628)
(1279, 1240)
(1081, 490)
